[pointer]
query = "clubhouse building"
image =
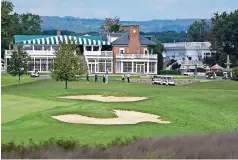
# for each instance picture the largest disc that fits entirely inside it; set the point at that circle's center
(123, 52)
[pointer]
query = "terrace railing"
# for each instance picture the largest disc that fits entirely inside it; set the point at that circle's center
(137, 56)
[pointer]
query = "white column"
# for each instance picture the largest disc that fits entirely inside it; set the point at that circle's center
(121, 67)
(144, 68)
(5, 65)
(112, 66)
(47, 63)
(132, 66)
(95, 67)
(148, 63)
(34, 64)
(105, 65)
(156, 67)
(40, 64)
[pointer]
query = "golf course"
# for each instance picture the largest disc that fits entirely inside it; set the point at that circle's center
(27, 109)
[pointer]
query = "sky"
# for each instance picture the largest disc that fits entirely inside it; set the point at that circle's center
(132, 10)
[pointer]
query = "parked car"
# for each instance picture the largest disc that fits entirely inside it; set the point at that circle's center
(157, 80)
(35, 74)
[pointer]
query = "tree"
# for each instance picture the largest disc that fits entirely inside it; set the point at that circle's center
(7, 24)
(19, 63)
(67, 64)
(13, 23)
(158, 49)
(224, 37)
(30, 24)
(111, 25)
(235, 74)
(199, 31)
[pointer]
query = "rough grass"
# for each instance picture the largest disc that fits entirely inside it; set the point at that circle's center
(206, 146)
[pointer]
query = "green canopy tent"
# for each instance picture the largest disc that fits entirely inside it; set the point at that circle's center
(55, 40)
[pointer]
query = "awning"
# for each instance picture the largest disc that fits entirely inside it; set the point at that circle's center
(57, 39)
(216, 67)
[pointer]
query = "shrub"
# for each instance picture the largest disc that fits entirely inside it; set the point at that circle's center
(219, 73)
(235, 74)
(169, 72)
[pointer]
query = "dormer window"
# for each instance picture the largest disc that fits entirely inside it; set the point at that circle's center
(145, 51)
(121, 50)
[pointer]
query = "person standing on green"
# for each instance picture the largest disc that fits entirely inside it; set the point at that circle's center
(128, 77)
(87, 77)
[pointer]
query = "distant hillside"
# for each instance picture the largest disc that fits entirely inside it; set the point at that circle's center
(81, 25)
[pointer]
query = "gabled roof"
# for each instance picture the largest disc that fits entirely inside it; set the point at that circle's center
(124, 40)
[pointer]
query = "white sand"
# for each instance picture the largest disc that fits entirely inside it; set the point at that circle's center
(105, 99)
(123, 117)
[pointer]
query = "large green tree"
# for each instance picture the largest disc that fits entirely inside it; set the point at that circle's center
(224, 37)
(199, 31)
(13, 23)
(19, 63)
(67, 64)
(158, 49)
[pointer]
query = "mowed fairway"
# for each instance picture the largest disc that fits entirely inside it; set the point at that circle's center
(202, 107)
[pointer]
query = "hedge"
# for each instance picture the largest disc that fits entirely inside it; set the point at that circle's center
(169, 72)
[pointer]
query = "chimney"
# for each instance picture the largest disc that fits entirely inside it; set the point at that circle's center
(58, 33)
(134, 39)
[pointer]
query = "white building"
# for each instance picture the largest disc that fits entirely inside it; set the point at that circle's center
(188, 53)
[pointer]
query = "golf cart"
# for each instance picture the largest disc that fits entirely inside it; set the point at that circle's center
(35, 74)
(163, 80)
(170, 81)
(210, 75)
(157, 80)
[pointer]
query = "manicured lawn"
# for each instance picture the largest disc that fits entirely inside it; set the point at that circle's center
(27, 109)
(7, 80)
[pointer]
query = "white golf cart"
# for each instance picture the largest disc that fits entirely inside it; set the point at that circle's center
(170, 81)
(163, 80)
(35, 74)
(157, 80)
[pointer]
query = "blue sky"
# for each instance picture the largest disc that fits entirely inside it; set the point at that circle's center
(126, 9)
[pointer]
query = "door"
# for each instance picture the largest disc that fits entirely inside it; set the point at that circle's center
(91, 68)
(140, 68)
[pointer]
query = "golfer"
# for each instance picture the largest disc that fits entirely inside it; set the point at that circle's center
(87, 77)
(128, 77)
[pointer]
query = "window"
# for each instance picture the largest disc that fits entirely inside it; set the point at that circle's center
(50, 64)
(208, 54)
(95, 48)
(88, 48)
(127, 67)
(47, 47)
(54, 47)
(152, 67)
(189, 58)
(121, 50)
(43, 64)
(28, 47)
(37, 64)
(38, 47)
(145, 51)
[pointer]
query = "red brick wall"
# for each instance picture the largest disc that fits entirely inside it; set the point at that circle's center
(134, 39)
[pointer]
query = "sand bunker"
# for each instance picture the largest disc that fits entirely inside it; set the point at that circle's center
(105, 98)
(123, 117)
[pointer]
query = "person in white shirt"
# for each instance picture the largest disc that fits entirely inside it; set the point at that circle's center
(128, 77)
(123, 78)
